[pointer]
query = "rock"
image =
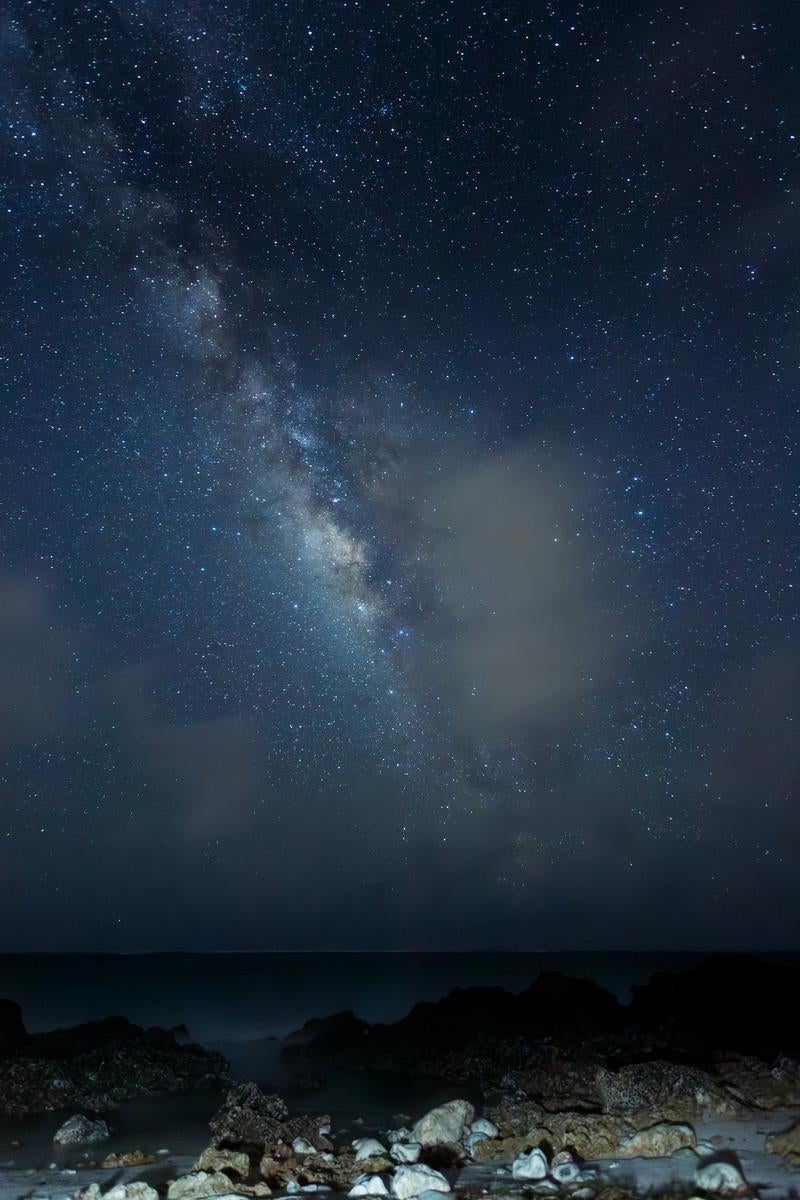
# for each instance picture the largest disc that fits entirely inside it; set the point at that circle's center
(444, 1125)
(302, 1145)
(405, 1152)
(472, 1139)
(591, 1135)
(368, 1148)
(326, 1035)
(760, 1085)
(200, 1184)
(99, 1065)
(81, 1131)
(721, 1178)
(232, 1162)
(249, 1117)
(414, 1180)
(730, 1001)
(128, 1158)
(557, 1080)
(340, 1171)
(532, 1165)
(369, 1185)
(564, 1168)
(664, 1090)
(500, 1150)
(139, 1190)
(658, 1141)
(785, 1143)
(485, 1126)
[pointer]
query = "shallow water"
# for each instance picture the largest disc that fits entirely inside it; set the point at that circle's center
(742, 1138)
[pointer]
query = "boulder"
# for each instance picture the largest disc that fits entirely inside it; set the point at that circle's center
(369, 1185)
(563, 1168)
(472, 1140)
(248, 1117)
(664, 1091)
(232, 1162)
(531, 1165)
(658, 1141)
(405, 1152)
(128, 1158)
(760, 1084)
(721, 1179)
(444, 1125)
(413, 1180)
(81, 1131)
(484, 1126)
(201, 1184)
(591, 1135)
(785, 1143)
(368, 1148)
(138, 1190)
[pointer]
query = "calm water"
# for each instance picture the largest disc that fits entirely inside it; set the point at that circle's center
(242, 997)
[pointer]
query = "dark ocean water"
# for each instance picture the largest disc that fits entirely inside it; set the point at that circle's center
(244, 997)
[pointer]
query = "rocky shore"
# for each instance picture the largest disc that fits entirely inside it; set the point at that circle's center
(96, 1066)
(581, 1097)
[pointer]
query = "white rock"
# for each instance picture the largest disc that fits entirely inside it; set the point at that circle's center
(485, 1126)
(565, 1172)
(406, 1152)
(414, 1180)
(445, 1124)
(292, 1187)
(132, 1191)
(723, 1178)
(213, 1160)
(200, 1184)
(369, 1185)
(302, 1145)
(658, 1141)
(472, 1139)
(532, 1165)
(80, 1130)
(398, 1135)
(368, 1148)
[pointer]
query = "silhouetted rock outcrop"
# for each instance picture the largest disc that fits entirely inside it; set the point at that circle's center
(98, 1065)
(731, 1002)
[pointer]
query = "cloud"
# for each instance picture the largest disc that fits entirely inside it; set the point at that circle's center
(39, 691)
(517, 634)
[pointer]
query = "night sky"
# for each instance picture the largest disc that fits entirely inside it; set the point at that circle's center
(399, 475)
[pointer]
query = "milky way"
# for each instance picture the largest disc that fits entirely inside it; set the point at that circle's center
(399, 527)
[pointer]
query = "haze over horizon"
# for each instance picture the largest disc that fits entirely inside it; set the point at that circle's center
(399, 503)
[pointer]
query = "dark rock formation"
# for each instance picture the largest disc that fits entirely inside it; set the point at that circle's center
(730, 1002)
(98, 1065)
(258, 1124)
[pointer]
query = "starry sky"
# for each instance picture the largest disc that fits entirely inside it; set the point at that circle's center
(398, 516)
